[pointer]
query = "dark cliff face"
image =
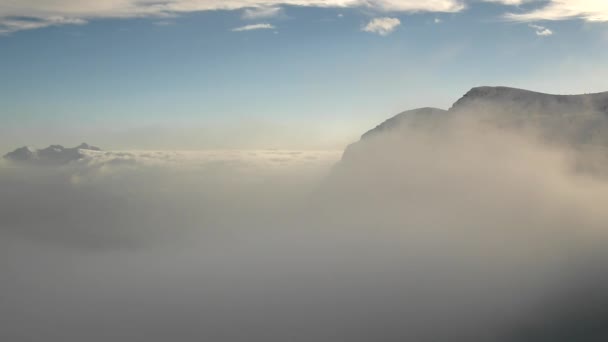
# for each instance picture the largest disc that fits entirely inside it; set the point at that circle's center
(52, 155)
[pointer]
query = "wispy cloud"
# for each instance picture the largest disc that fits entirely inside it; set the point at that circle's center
(252, 27)
(588, 10)
(382, 26)
(261, 13)
(9, 25)
(541, 30)
(164, 23)
(31, 14)
(510, 2)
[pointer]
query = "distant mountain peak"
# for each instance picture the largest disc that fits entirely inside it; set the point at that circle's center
(51, 155)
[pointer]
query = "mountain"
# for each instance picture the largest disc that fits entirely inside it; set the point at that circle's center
(570, 119)
(513, 100)
(420, 116)
(52, 155)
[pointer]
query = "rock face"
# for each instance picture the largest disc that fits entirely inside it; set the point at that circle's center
(52, 155)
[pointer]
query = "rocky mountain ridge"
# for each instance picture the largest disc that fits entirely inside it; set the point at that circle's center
(52, 155)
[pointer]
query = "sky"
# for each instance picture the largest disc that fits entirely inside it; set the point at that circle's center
(299, 74)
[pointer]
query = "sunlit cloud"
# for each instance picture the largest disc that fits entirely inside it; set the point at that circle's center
(382, 26)
(588, 10)
(32, 14)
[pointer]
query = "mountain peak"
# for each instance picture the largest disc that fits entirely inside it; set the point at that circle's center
(53, 154)
(415, 115)
(572, 119)
(527, 101)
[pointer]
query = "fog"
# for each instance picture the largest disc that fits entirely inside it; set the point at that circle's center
(460, 230)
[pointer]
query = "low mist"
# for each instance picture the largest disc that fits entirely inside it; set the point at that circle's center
(460, 230)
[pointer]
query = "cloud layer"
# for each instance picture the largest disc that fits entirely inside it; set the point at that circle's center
(32, 14)
(455, 231)
(29, 14)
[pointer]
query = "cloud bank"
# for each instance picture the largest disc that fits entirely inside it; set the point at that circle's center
(467, 229)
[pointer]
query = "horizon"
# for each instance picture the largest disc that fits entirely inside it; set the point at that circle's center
(332, 148)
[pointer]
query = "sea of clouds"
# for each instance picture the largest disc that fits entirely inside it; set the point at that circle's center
(459, 232)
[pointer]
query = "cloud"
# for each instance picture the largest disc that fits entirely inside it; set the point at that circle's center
(254, 27)
(261, 13)
(382, 26)
(541, 30)
(12, 24)
(31, 14)
(84, 202)
(461, 231)
(588, 10)
(510, 2)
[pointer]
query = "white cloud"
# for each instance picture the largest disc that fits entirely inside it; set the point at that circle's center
(541, 30)
(589, 10)
(382, 26)
(414, 231)
(510, 2)
(438, 21)
(253, 27)
(261, 13)
(30, 14)
(8, 25)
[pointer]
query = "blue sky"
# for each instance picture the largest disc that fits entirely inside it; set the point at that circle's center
(195, 74)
